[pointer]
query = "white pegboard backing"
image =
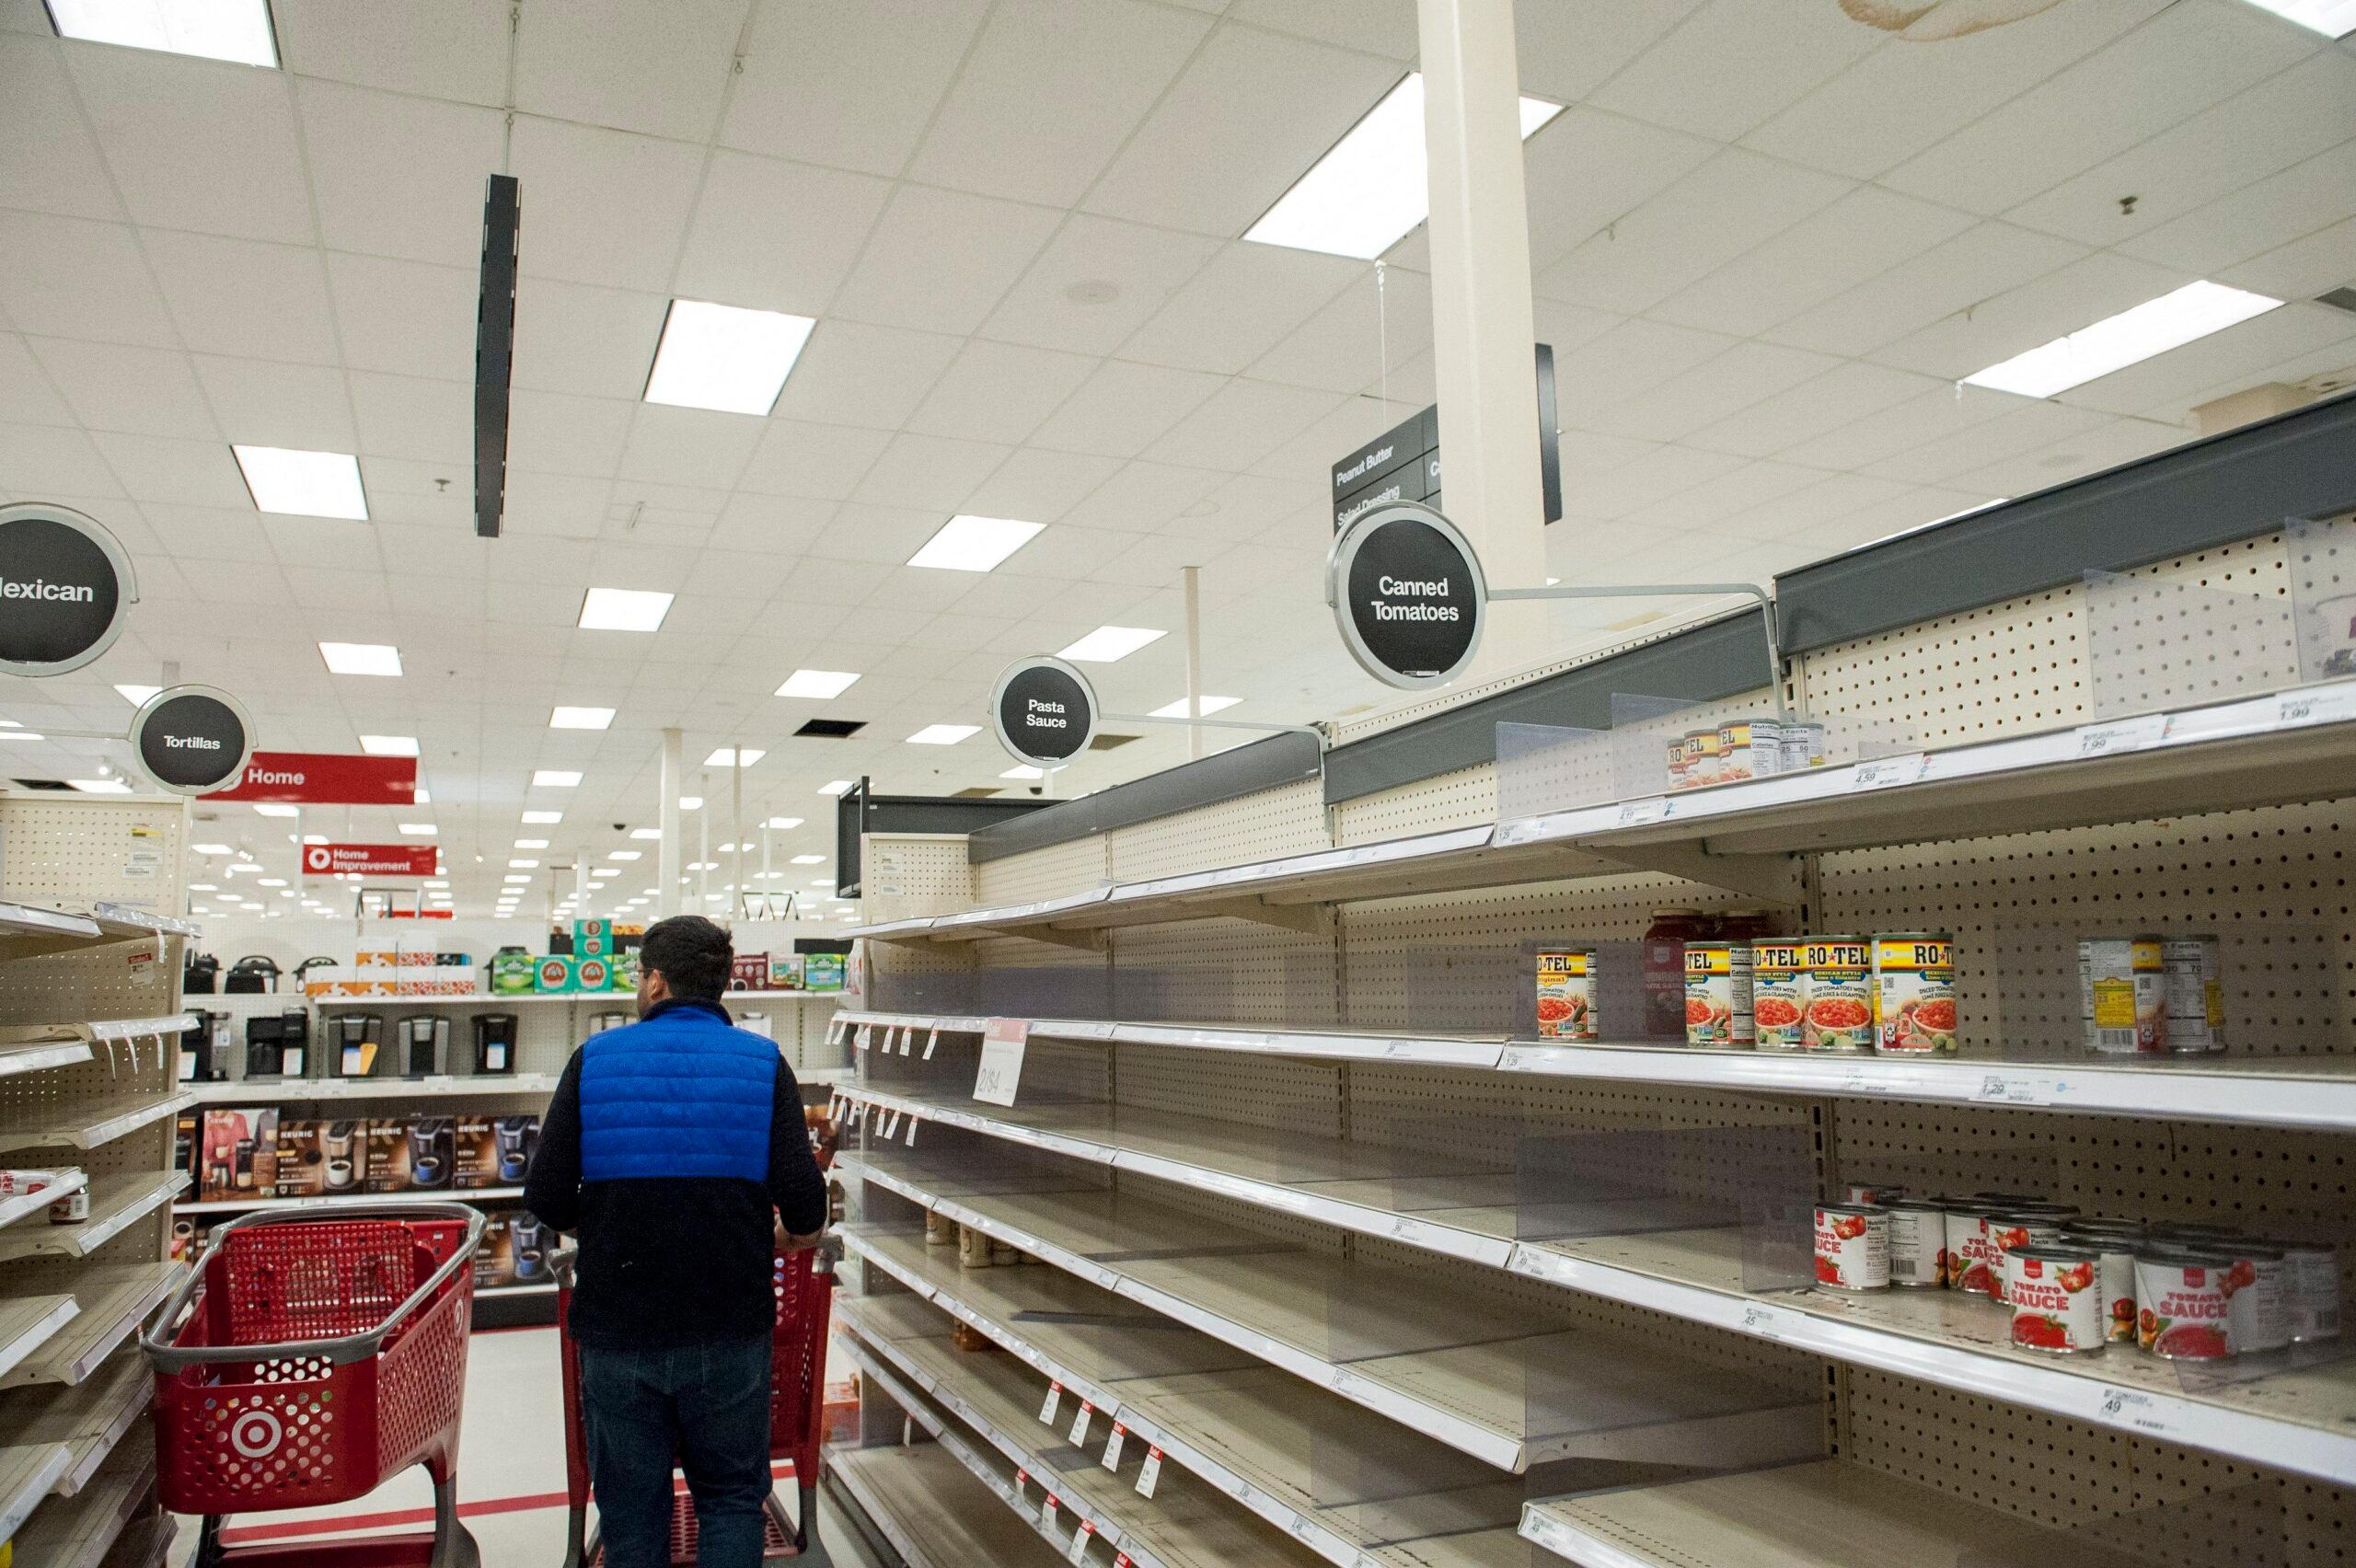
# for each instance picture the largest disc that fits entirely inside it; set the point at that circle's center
(1465, 798)
(2270, 883)
(1226, 970)
(2155, 1502)
(904, 875)
(1266, 826)
(69, 850)
(139, 978)
(2320, 556)
(1057, 871)
(1284, 1094)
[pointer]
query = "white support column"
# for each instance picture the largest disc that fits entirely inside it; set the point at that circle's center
(1193, 579)
(667, 858)
(1484, 329)
(736, 821)
(703, 845)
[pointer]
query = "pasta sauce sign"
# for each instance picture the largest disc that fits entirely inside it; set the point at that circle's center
(1407, 594)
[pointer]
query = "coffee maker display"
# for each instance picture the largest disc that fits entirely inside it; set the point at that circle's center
(351, 1042)
(424, 1042)
(278, 1044)
(204, 1049)
(433, 1151)
(515, 1138)
(496, 1043)
(531, 1242)
(339, 1149)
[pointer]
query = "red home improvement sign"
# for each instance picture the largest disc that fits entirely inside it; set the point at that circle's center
(369, 859)
(321, 778)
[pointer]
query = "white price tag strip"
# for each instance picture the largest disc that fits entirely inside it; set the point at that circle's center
(1636, 813)
(864, 1039)
(931, 1041)
(1113, 1446)
(1884, 772)
(1080, 1539)
(1080, 1424)
(1149, 1473)
(2324, 704)
(891, 1121)
(2140, 733)
(912, 1130)
(1047, 1513)
(1047, 1409)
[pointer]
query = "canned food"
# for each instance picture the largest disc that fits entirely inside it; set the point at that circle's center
(2312, 1273)
(1914, 1008)
(1803, 744)
(2056, 1299)
(2258, 1285)
(2194, 981)
(1852, 1247)
(1969, 1254)
(2122, 995)
(973, 1247)
(940, 1230)
(1836, 988)
(1877, 1195)
(1777, 1024)
(2115, 1243)
(1717, 993)
(2010, 1229)
(1918, 1243)
(1703, 757)
(1680, 762)
(1566, 995)
(71, 1209)
(1742, 743)
(2185, 1314)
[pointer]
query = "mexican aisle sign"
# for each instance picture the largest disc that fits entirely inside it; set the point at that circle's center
(192, 739)
(1043, 711)
(369, 859)
(1408, 596)
(65, 586)
(321, 778)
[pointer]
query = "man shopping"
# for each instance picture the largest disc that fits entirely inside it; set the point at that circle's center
(675, 1148)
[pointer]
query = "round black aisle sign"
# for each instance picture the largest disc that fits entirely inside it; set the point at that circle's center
(1043, 711)
(65, 586)
(192, 740)
(1408, 594)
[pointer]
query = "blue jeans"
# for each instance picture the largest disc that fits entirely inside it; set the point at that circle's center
(708, 1404)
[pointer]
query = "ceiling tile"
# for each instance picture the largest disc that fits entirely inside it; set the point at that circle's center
(2241, 355)
(1039, 486)
(1745, 374)
(852, 87)
(239, 297)
(1849, 391)
(117, 386)
(58, 170)
(1658, 475)
(1099, 63)
(1984, 260)
(660, 70)
(1568, 52)
(774, 236)
(1936, 414)
(690, 446)
(822, 462)
(25, 395)
(259, 403)
(401, 176)
(1123, 408)
(772, 524)
(73, 278)
(597, 342)
(1856, 238)
(900, 282)
(2269, 213)
(2038, 311)
(1734, 62)
(2313, 265)
(2029, 425)
(556, 433)
(37, 460)
(185, 473)
(928, 471)
(854, 373)
(1375, 323)
(1371, 27)
(404, 316)
(1000, 392)
(1246, 300)
(1096, 283)
(601, 206)
(1633, 357)
(565, 506)
(1589, 168)
(1137, 499)
(886, 534)
(1249, 115)
(427, 421)
(462, 57)
(197, 143)
(1241, 423)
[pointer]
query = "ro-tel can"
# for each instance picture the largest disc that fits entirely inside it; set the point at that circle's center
(1874, 1194)
(2055, 1292)
(1702, 757)
(1918, 1243)
(2011, 1229)
(1717, 993)
(1775, 994)
(1852, 1247)
(2122, 995)
(1837, 994)
(1566, 994)
(1766, 748)
(2194, 981)
(1914, 1008)
(1680, 762)
(1741, 742)
(1803, 744)
(2312, 1273)
(1969, 1254)
(2115, 1243)
(2185, 1314)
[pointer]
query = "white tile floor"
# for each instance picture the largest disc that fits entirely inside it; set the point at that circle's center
(510, 1470)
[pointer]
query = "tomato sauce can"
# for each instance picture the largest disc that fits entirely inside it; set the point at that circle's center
(1918, 1243)
(1717, 993)
(2183, 1312)
(1914, 1003)
(1970, 1256)
(2258, 1285)
(2055, 1293)
(2014, 1227)
(2122, 995)
(1775, 1000)
(1852, 1247)
(1567, 993)
(2194, 981)
(2312, 1273)
(1836, 989)
(1874, 1194)
(2115, 1243)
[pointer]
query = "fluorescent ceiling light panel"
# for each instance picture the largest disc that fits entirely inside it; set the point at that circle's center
(555, 778)
(623, 609)
(523, 865)
(624, 854)
(517, 878)
(544, 818)
(1208, 706)
(1024, 770)
(781, 824)
(271, 882)
(137, 695)
(18, 735)
(821, 685)
(2128, 338)
(235, 30)
(271, 809)
(2333, 19)
(727, 756)
(361, 658)
(304, 484)
(418, 829)
(313, 837)
(809, 859)
(212, 848)
(943, 734)
(1107, 643)
(725, 358)
(100, 786)
(1370, 188)
(839, 788)
(581, 718)
(389, 745)
(422, 797)
(531, 843)
(646, 833)
(974, 544)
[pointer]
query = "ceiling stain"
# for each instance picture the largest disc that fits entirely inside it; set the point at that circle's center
(1930, 21)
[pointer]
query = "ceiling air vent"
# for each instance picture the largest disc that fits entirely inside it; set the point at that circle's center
(832, 729)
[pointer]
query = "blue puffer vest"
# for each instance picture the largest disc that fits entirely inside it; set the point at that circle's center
(682, 1093)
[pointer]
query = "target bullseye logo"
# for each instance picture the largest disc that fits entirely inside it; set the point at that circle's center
(317, 858)
(256, 1434)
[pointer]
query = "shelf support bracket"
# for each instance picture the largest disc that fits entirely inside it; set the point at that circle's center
(1314, 919)
(1086, 941)
(1771, 879)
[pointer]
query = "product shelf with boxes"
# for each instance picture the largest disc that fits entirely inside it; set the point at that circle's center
(312, 1090)
(348, 1200)
(18, 1206)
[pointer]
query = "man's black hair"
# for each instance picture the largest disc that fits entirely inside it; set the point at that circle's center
(691, 954)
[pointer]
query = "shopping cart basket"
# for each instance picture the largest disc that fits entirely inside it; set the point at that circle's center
(805, 1284)
(326, 1354)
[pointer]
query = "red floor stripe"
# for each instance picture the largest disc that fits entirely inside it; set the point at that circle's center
(402, 1518)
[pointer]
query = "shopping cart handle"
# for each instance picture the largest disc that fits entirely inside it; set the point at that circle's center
(561, 1264)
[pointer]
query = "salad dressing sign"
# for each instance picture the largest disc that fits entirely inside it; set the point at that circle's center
(1408, 596)
(1043, 711)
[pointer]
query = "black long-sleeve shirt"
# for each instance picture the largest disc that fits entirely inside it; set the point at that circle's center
(671, 1260)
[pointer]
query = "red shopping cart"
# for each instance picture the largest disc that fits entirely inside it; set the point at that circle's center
(324, 1356)
(805, 1284)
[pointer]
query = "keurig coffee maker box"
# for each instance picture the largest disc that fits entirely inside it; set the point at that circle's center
(237, 1154)
(495, 1259)
(432, 1151)
(387, 1159)
(531, 1243)
(513, 1139)
(494, 1043)
(475, 1162)
(593, 974)
(322, 1158)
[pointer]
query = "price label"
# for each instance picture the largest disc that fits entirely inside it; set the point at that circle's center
(1149, 1473)
(2122, 735)
(1760, 1320)
(864, 1039)
(1636, 813)
(907, 1039)
(2005, 1088)
(1019, 1477)
(1884, 772)
(1080, 1539)
(1113, 1446)
(1122, 1560)
(931, 1041)
(1047, 1512)
(1521, 830)
(2316, 705)
(2129, 1407)
(1080, 1424)
(1000, 1072)
(912, 1131)
(891, 1121)
(1047, 1411)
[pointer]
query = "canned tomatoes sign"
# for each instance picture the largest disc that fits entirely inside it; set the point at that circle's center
(65, 585)
(1408, 596)
(190, 739)
(1043, 711)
